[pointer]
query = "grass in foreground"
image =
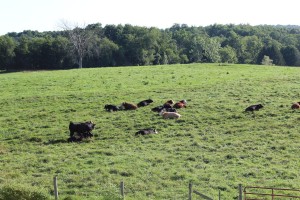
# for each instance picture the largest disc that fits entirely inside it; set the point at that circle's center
(215, 144)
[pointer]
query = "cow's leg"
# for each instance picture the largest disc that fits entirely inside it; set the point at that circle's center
(72, 133)
(90, 134)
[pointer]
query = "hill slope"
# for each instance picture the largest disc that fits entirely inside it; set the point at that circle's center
(215, 144)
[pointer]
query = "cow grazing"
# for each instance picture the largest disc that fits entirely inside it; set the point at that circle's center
(83, 129)
(128, 106)
(145, 103)
(254, 108)
(170, 115)
(296, 105)
(110, 108)
(146, 131)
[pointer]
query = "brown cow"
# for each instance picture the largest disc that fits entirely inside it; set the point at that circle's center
(128, 106)
(296, 105)
(180, 104)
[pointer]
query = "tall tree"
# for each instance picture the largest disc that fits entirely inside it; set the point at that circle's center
(273, 51)
(7, 46)
(211, 50)
(251, 46)
(80, 38)
(22, 53)
(291, 56)
(228, 55)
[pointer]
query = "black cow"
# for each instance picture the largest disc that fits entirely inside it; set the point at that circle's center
(110, 108)
(145, 103)
(165, 108)
(254, 107)
(167, 105)
(74, 139)
(146, 131)
(170, 110)
(83, 129)
(157, 109)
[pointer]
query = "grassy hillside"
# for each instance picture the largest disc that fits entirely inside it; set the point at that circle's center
(215, 144)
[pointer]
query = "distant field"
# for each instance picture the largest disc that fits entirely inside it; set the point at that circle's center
(215, 145)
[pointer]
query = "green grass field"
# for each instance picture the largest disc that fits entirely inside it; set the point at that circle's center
(215, 145)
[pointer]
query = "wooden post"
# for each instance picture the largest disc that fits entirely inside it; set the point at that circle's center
(190, 191)
(122, 189)
(240, 192)
(55, 187)
(219, 194)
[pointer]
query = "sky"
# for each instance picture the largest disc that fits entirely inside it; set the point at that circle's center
(49, 15)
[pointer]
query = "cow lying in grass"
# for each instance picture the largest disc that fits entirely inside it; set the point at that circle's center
(128, 106)
(169, 115)
(166, 106)
(110, 108)
(296, 105)
(80, 130)
(145, 103)
(146, 131)
(160, 108)
(180, 104)
(254, 107)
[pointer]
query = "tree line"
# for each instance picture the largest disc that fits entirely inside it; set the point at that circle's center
(127, 45)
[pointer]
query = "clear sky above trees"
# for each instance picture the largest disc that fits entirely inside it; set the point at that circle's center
(19, 15)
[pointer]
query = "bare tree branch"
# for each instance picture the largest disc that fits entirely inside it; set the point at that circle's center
(80, 38)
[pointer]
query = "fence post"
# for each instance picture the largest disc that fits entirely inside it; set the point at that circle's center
(219, 194)
(55, 187)
(122, 189)
(190, 191)
(240, 192)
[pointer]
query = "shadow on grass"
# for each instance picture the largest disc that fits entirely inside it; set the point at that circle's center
(6, 71)
(56, 141)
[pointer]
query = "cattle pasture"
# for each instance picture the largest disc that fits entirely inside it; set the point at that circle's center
(215, 144)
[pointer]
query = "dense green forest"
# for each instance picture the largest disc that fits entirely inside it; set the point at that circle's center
(127, 45)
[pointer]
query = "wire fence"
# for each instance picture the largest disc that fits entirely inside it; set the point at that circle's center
(189, 192)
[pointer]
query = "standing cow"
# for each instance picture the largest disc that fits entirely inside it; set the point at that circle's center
(82, 129)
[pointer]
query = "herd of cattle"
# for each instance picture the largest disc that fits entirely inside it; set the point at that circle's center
(81, 130)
